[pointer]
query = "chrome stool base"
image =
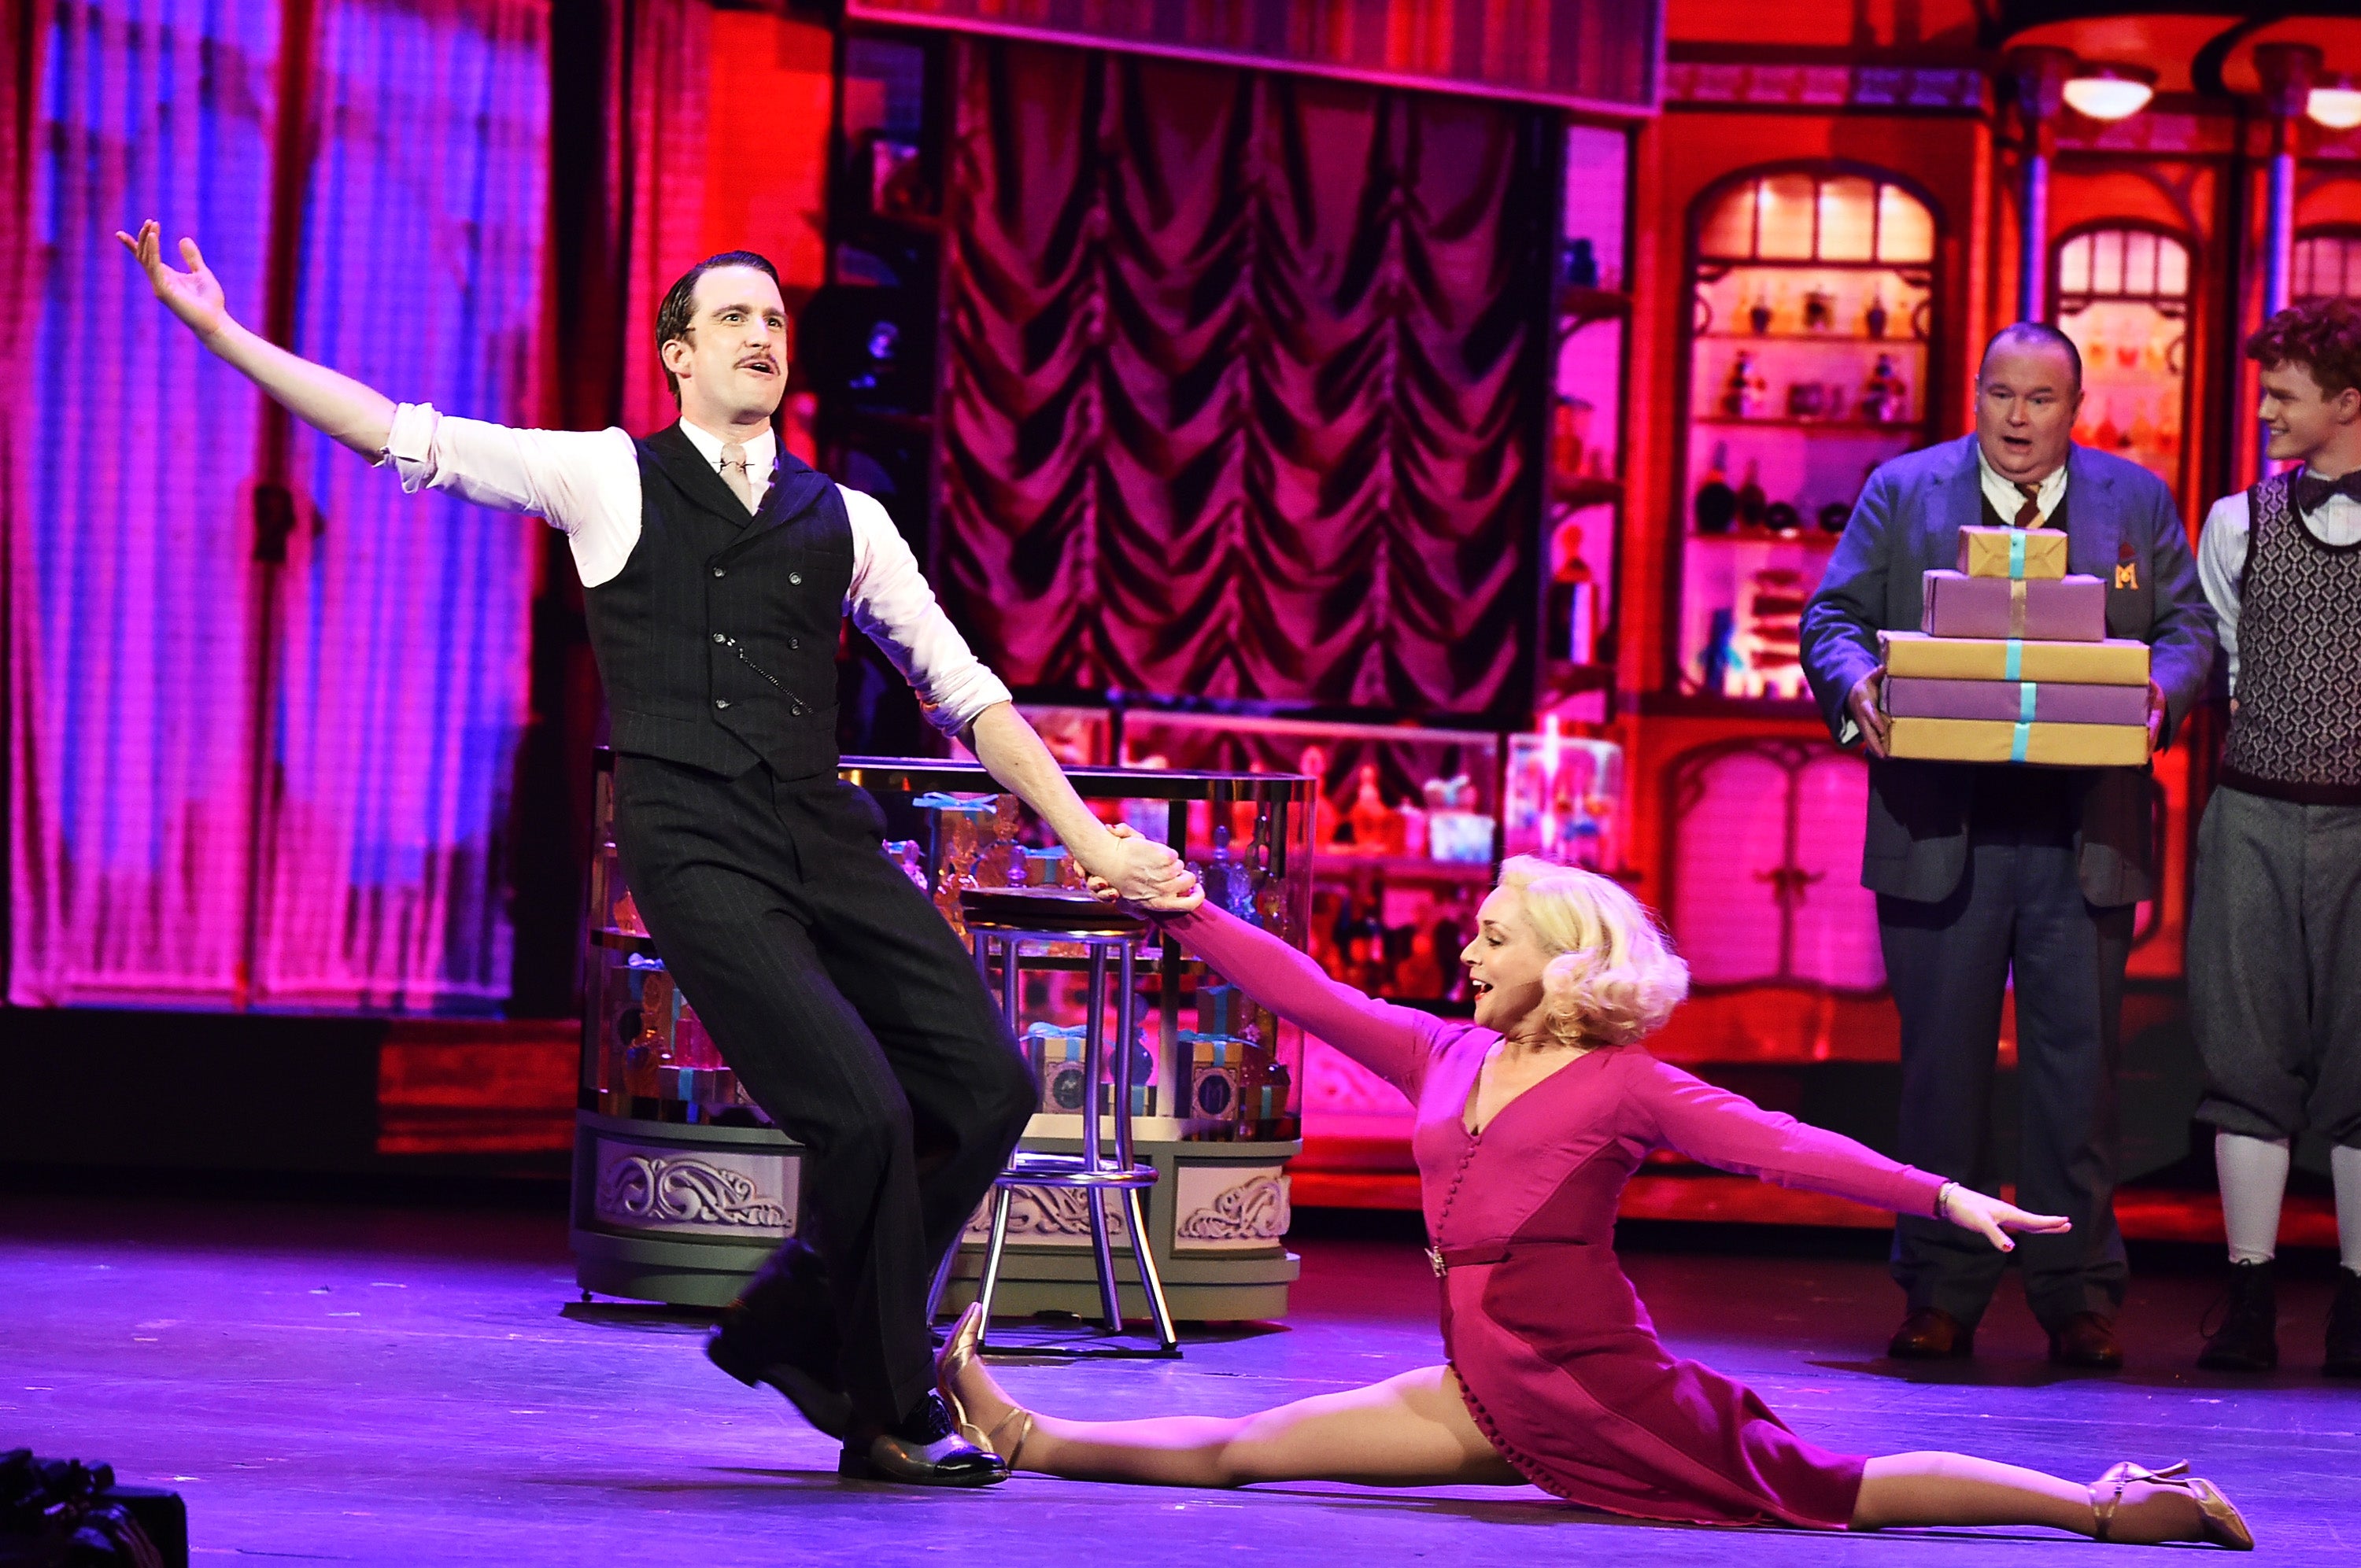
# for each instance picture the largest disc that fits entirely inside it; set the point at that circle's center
(1008, 920)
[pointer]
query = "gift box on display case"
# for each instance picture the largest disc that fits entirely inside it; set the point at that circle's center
(2015, 702)
(1997, 741)
(2013, 551)
(2043, 609)
(2112, 661)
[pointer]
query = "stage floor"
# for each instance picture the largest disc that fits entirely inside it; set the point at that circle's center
(422, 1386)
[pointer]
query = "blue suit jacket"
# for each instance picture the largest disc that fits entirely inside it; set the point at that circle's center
(1907, 519)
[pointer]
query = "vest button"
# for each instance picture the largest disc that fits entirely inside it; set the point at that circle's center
(718, 572)
(719, 638)
(795, 578)
(794, 642)
(721, 702)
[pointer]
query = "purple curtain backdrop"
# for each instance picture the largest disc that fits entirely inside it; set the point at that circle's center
(402, 689)
(400, 656)
(129, 529)
(1241, 381)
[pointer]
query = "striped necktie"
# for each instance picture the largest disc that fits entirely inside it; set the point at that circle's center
(2029, 514)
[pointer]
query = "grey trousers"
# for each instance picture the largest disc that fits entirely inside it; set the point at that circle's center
(2274, 966)
(2018, 909)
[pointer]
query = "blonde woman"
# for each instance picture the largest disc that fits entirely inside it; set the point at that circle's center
(1531, 1119)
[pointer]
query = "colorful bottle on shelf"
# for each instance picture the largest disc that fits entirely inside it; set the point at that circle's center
(1751, 500)
(1716, 506)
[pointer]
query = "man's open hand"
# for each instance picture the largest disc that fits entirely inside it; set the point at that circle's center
(194, 296)
(1862, 703)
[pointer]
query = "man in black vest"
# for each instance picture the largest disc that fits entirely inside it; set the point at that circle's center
(716, 570)
(1987, 873)
(2275, 930)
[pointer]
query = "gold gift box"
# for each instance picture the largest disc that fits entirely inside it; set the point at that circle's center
(1990, 552)
(1997, 741)
(2117, 662)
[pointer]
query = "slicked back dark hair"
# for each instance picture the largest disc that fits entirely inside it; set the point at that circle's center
(2032, 334)
(679, 312)
(2321, 335)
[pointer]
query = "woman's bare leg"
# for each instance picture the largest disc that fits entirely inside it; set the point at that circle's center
(1410, 1431)
(1951, 1488)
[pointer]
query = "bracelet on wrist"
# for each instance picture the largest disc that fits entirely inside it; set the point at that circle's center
(1943, 1200)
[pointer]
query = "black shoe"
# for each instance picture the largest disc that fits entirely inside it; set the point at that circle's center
(2344, 1327)
(2086, 1340)
(782, 1331)
(2249, 1339)
(813, 1393)
(926, 1450)
(1931, 1334)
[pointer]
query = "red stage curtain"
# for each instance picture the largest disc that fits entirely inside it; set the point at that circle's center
(659, 73)
(130, 587)
(402, 673)
(1243, 381)
(133, 623)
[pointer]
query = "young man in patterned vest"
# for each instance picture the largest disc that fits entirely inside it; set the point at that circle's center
(2275, 937)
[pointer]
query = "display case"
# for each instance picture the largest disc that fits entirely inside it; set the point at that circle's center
(1812, 325)
(2123, 298)
(682, 1185)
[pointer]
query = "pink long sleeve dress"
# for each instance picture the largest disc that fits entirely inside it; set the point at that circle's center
(1555, 1356)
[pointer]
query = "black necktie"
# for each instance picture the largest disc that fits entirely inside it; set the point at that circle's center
(2311, 491)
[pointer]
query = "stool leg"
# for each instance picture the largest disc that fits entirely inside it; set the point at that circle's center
(1158, 1310)
(1102, 1254)
(942, 1279)
(989, 1285)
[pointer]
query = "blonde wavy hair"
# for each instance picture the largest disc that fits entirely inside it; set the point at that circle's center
(1615, 977)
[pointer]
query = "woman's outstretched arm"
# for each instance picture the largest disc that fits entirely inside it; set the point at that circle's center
(1393, 1042)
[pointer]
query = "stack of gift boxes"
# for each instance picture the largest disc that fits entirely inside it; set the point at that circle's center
(2013, 663)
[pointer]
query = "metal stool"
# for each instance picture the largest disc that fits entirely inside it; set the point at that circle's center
(1009, 919)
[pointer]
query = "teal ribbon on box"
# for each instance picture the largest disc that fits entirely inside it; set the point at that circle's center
(2019, 741)
(2025, 702)
(2016, 552)
(2016, 656)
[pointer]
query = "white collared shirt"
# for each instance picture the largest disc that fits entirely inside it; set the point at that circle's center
(2222, 556)
(762, 455)
(586, 483)
(2008, 501)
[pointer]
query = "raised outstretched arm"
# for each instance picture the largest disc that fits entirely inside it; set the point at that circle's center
(337, 406)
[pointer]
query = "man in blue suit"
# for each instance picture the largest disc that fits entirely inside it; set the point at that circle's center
(1985, 871)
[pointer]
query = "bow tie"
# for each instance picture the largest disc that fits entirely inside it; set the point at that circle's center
(2311, 491)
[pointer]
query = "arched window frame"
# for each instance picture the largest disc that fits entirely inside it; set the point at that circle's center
(2349, 235)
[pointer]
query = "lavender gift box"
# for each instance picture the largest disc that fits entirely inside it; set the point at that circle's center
(2026, 702)
(2052, 609)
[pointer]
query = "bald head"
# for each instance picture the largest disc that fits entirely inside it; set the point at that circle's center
(2028, 392)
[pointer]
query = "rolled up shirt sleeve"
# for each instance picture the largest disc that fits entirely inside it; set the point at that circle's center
(892, 602)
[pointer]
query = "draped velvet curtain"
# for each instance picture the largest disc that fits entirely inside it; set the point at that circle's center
(660, 73)
(1243, 381)
(133, 621)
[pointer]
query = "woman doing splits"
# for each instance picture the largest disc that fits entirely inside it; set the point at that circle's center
(1531, 1120)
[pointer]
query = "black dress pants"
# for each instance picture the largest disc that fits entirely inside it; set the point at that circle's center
(2018, 910)
(853, 1017)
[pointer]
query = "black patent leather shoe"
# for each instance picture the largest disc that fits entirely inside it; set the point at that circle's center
(926, 1450)
(813, 1393)
(2086, 1340)
(2344, 1327)
(1931, 1334)
(2249, 1339)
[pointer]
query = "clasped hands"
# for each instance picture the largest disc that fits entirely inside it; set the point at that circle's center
(1148, 875)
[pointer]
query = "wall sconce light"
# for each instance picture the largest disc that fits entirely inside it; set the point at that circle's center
(2334, 101)
(2110, 91)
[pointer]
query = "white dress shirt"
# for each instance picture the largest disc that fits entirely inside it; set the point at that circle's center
(2221, 558)
(586, 483)
(2008, 501)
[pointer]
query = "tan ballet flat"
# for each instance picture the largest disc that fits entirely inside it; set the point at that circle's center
(958, 1354)
(2217, 1516)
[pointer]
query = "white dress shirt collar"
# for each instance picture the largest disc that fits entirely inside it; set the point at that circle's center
(2005, 498)
(761, 451)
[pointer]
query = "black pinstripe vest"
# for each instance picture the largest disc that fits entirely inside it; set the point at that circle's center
(717, 640)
